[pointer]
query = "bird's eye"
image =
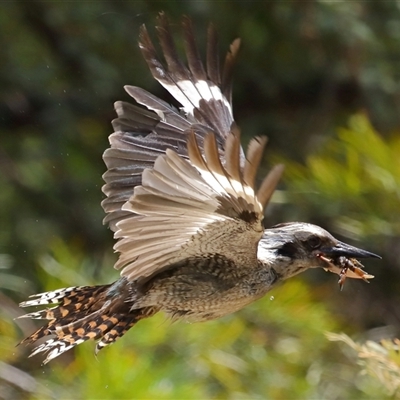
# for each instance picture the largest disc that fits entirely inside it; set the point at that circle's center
(314, 242)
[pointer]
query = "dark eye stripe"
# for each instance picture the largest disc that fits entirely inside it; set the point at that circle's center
(288, 250)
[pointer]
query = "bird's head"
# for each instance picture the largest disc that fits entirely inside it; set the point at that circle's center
(291, 248)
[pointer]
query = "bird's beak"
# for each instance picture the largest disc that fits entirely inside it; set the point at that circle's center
(345, 250)
(341, 259)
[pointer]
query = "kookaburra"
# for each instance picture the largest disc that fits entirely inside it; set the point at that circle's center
(188, 219)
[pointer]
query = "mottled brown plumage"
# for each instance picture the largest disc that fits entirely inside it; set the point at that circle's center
(188, 219)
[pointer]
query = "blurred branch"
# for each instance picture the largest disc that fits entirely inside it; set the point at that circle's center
(14, 380)
(379, 360)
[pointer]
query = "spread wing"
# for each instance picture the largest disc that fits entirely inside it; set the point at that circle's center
(194, 208)
(177, 182)
(141, 135)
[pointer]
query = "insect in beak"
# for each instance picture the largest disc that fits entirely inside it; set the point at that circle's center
(341, 259)
(345, 268)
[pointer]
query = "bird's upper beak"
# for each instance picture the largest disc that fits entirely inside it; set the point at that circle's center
(345, 250)
(341, 259)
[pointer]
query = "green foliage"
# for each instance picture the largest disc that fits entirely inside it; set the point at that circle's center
(379, 360)
(346, 180)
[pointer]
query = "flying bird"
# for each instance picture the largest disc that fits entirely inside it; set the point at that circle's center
(183, 203)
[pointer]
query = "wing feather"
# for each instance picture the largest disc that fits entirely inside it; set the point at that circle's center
(269, 184)
(213, 68)
(177, 182)
(142, 135)
(200, 94)
(230, 60)
(194, 60)
(254, 154)
(188, 208)
(232, 154)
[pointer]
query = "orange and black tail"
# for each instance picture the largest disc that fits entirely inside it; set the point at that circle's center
(81, 313)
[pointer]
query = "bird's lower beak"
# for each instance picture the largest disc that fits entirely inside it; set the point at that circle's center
(341, 259)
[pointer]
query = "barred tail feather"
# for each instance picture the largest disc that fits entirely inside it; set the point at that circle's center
(118, 330)
(83, 313)
(94, 326)
(73, 302)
